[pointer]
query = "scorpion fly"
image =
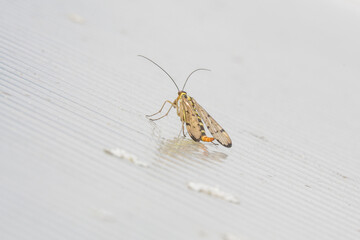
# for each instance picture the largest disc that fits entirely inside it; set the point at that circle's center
(193, 115)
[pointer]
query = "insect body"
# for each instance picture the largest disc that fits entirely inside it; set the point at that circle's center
(192, 115)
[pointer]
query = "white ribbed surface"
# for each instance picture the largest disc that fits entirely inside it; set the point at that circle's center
(285, 85)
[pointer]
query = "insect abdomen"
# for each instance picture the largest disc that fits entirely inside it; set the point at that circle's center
(207, 139)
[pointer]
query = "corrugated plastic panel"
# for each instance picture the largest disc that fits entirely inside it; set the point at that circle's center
(79, 159)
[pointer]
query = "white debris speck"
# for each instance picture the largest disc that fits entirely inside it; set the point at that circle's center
(120, 153)
(76, 18)
(212, 191)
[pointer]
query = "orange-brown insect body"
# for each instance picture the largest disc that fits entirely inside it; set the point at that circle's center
(189, 116)
(207, 139)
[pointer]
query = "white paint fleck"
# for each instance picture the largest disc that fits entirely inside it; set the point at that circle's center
(213, 191)
(76, 18)
(120, 153)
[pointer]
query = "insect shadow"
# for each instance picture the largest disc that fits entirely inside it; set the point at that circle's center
(183, 148)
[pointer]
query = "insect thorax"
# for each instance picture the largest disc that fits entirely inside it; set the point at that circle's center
(180, 95)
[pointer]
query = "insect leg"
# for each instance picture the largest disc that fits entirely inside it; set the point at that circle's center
(167, 101)
(163, 115)
(183, 129)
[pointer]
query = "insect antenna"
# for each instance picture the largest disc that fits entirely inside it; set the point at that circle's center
(192, 73)
(161, 69)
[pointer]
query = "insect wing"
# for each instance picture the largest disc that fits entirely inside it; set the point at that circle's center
(191, 119)
(215, 129)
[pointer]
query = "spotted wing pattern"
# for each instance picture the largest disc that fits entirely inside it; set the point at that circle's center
(194, 125)
(215, 129)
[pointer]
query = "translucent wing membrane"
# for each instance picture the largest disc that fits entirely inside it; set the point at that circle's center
(215, 129)
(193, 122)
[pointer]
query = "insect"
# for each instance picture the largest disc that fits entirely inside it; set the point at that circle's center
(192, 115)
